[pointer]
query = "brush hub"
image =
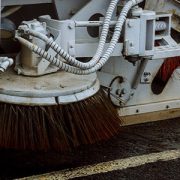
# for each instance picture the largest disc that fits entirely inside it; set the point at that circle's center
(57, 88)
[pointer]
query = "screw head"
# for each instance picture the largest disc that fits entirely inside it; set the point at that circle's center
(146, 79)
(131, 44)
(118, 92)
(70, 26)
(130, 24)
(124, 91)
(38, 87)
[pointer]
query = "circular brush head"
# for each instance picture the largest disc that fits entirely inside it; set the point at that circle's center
(58, 127)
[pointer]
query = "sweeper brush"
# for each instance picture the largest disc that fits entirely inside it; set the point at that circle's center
(55, 112)
(58, 127)
(50, 95)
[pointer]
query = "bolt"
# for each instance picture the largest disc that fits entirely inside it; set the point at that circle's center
(131, 44)
(33, 26)
(44, 24)
(61, 86)
(146, 79)
(73, 12)
(118, 92)
(38, 87)
(147, 74)
(130, 24)
(121, 80)
(124, 91)
(19, 71)
(1, 70)
(70, 26)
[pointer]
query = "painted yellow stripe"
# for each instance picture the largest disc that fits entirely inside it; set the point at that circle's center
(105, 167)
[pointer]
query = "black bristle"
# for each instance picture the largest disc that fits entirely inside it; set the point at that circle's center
(59, 127)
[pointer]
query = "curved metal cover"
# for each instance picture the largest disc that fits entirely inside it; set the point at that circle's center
(57, 88)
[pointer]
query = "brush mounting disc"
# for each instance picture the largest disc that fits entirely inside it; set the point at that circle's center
(57, 88)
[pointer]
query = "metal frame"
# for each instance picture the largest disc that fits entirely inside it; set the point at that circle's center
(78, 42)
(143, 96)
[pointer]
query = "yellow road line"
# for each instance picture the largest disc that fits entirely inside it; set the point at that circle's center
(105, 167)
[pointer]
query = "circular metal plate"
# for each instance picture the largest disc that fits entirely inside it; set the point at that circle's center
(57, 88)
(120, 91)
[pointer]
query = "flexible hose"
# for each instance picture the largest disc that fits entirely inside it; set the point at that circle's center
(42, 53)
(117, 32)
(102, 61)
(5, 62)
(71, 60)
(115, 38)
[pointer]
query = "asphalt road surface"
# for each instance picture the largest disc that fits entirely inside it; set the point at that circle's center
(146, 151)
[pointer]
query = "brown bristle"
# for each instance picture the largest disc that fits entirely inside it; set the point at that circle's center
(60, 127)
(168, 68)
